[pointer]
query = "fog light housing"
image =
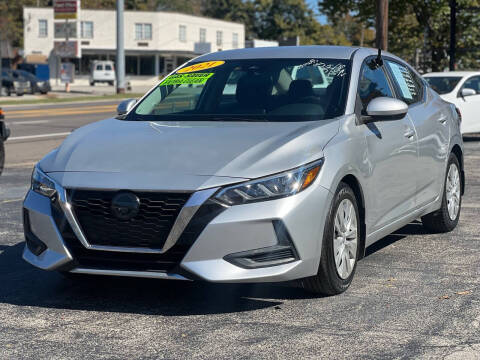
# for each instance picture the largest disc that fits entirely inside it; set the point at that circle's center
(282, 253)
(34, 244)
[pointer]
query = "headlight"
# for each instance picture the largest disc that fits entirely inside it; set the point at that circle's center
(42, 184)
(17, 84)
(272, 187)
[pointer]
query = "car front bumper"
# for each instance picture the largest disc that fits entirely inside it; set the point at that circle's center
(251, 229)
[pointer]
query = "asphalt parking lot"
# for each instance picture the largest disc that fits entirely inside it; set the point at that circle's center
(416, 295)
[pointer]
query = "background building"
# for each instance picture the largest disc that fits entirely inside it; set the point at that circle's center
(155, 42)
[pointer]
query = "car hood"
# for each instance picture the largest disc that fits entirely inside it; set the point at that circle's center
(184, 155)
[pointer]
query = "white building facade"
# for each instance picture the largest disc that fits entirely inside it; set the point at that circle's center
(155, 42)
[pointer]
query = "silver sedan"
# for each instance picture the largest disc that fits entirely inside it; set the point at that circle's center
(252, 165)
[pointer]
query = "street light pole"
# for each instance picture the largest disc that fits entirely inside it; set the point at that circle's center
(120, 49)
(453, 40)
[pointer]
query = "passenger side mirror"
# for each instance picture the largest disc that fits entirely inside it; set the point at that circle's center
(467, 92)
(385, 109)
(125, 106)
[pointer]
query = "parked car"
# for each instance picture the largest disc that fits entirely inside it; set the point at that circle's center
(41, 71)
(7, 83)
(4, 134)
(461, 88)
(36, 85)
(21, 85)
(278, 181)
(102, 71)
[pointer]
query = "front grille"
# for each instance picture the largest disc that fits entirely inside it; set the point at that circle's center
(167, 262)
(148, 229)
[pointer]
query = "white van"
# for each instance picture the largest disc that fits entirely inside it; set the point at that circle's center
(102, 71)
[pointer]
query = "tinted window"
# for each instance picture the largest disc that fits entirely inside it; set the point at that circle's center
(443, 84)
(256, 89)
(372, 84)
(99, 67)
(473, 83)
(108, 67)
(409, 86)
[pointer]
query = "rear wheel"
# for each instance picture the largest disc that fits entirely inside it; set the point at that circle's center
(446, 218)
(2, 156)
(340, 246)
(92, 83)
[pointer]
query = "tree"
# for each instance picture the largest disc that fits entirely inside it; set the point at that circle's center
(419, 24)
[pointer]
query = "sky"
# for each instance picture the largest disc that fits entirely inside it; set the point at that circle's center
(313, 4)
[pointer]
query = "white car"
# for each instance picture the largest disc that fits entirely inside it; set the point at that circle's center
(102, 71)
(461, 88)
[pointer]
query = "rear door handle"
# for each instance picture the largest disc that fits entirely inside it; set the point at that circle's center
(409, 133)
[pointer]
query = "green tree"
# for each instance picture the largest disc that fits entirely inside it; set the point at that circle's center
(419, 24)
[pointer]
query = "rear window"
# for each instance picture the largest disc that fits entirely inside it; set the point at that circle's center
(253, 89)
(443, 84)
(99, 67)
(108, 67)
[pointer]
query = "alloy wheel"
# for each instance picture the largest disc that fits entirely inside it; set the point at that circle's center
(345, 239)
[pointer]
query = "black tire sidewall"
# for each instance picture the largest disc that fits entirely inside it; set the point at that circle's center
(327, 262)
(451, 224)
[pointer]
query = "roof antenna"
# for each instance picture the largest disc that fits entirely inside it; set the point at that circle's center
(379, 60)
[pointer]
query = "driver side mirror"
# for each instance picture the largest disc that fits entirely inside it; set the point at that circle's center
(125, 106)
(385, 109)
(467, 92)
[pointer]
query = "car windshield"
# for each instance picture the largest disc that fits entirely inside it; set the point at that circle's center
(250, 90)
(443, 84)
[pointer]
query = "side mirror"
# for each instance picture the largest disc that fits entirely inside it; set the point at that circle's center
(467, 92)
(125, 106)
(385, 109)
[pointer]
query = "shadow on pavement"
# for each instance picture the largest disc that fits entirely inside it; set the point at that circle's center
(24, 285)
(414, 228)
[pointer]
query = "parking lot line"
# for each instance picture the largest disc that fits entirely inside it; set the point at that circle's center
(31, 137)
(29, 122)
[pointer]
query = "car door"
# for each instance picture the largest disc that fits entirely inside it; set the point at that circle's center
(432, 128)
(391, 155)
(470, 106)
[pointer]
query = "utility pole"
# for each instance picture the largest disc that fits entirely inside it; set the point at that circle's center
(120, 49)
(381, 22)
(453, 40)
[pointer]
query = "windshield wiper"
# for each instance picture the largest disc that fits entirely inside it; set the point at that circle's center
(233, 118)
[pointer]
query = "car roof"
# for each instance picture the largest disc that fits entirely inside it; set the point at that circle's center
(279, 52)
(451, 73)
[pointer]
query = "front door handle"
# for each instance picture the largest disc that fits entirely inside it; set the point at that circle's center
(442, 120)
(409, 133)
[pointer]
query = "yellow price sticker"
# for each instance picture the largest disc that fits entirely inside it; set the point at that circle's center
(200, 66)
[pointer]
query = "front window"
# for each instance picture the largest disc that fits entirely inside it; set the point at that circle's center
(42, 28)
(373, 83)
(250, 90)
(143, 31)
(443, 84)
(86, 29)
(182, 33)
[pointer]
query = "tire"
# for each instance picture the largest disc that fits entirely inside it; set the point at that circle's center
(329, 280)
(110, 83)
(2, 156)
(442, 221)
(92, 83)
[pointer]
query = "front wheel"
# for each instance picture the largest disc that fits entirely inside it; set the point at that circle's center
(445, 219)
(340, 246)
